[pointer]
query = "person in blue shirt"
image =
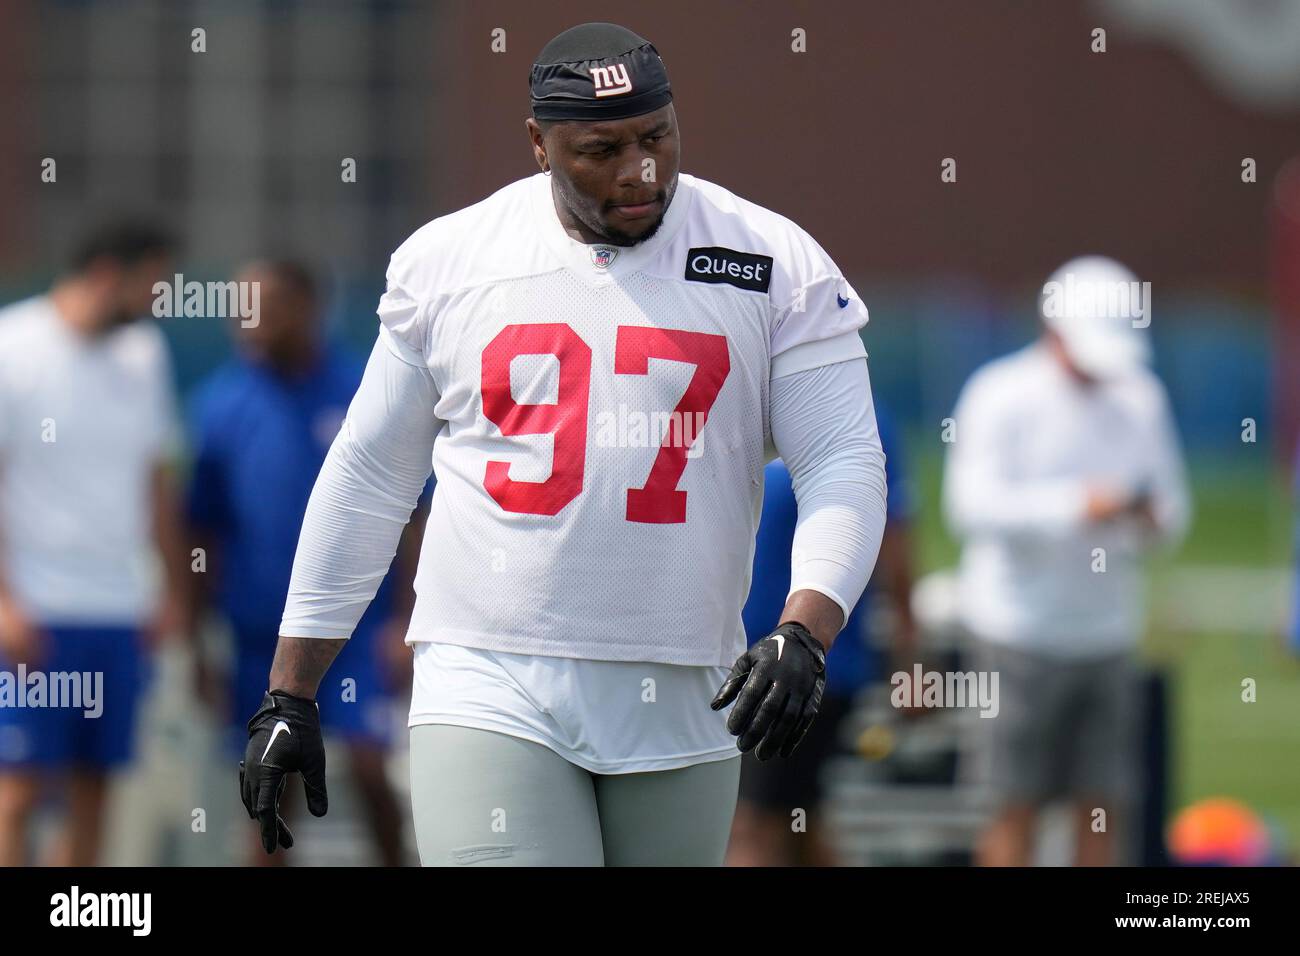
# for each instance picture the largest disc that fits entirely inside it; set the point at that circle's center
(261, 427)
(771, 791)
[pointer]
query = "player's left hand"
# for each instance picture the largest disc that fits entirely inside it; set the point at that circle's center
(777, 685)
(283, 736)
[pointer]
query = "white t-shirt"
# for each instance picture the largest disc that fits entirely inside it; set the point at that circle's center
(1029, 442)
(556, 369)
(82, 424)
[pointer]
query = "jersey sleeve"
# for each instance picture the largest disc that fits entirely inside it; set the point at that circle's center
(824, 426)
(363, 497)
(413, 285)
(404, 317)
(814, 308)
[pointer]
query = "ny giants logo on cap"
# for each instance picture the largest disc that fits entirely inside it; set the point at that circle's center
(611, 80)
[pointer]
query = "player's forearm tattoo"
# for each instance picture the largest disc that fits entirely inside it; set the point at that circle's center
(301, 662)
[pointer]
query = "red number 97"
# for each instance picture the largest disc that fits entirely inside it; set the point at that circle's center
(658, 501)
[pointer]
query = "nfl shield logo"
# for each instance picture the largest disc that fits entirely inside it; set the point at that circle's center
(602, 256)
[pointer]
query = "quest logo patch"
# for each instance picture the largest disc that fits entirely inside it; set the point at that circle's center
(744, 270)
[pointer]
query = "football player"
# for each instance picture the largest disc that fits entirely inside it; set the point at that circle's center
(597, 362)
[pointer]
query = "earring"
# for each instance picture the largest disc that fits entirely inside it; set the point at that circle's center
(546, 172)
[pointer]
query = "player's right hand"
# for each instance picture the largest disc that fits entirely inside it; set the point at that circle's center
(283, 736)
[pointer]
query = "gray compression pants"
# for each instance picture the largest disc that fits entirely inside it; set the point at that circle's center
(489, 799)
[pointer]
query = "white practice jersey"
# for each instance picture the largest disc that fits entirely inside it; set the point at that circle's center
(603, 410)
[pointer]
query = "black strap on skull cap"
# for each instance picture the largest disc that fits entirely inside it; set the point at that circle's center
(598, 71)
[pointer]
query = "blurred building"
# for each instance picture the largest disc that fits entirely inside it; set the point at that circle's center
(239, 146)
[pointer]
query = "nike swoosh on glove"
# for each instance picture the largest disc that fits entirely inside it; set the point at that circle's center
(777, 685)
(283, 737)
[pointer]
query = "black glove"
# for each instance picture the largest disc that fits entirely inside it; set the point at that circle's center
(780, 682)
(283, 736)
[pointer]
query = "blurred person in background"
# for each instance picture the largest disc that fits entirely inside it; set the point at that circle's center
(1065, 467)
(87, 510)
(567, 581)
(762, 832)
(262, 424)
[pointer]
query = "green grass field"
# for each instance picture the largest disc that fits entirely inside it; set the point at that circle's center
(1223, 746)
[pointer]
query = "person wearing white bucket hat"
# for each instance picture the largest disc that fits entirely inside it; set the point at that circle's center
(1064, 469)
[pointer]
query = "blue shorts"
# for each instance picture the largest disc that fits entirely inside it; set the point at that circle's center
(92, 726)
(354, 703)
